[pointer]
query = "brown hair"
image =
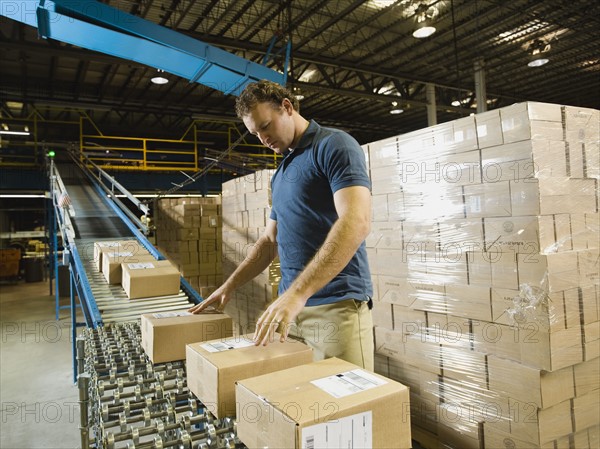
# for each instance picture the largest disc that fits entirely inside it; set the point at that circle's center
(263, 91)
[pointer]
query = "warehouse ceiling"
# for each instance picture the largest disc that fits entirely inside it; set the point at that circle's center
(353, 61)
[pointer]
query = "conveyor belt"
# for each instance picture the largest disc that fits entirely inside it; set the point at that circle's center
(94, 219)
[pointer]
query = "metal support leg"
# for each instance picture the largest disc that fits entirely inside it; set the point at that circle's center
(73, 325)
(83, 383)
(80, 355)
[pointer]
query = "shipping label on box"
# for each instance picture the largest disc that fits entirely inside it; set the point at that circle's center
(214, 366)
(165, 334)
(287, 409)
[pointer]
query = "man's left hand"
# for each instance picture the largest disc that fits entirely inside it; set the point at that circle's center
(281, 314)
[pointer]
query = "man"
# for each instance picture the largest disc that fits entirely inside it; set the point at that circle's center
(320, 218)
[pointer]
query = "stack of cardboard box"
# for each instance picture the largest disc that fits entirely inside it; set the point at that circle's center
(128, 263)
(246, 209)
(188, 231)
(484, 255)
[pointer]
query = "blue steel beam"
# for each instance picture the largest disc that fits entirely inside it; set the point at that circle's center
(96, 26)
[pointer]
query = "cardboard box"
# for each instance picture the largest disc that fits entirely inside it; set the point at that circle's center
(385, 235)
(582, 124)
(214, 366)
(114, 257)
(489, 128)
(165, 334)
(464, 135)
(488, 200)
(127, 245)
(383, 153)
(524, 121)
(148, 279)
(331, 403)
(542, 388)
(469, 301)
(516, 234)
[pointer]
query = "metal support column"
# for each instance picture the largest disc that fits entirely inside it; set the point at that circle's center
(83, 383)
(480, 89)
(80, 343)
(431, 105)
(73, 323)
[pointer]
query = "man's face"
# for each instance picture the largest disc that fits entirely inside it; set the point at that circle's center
(274, 127)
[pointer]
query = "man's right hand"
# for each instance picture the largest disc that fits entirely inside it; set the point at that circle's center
(214, 303)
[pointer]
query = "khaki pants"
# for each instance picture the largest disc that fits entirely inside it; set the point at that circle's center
(343, 329)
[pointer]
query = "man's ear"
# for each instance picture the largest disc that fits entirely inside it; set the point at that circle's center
(287, 106)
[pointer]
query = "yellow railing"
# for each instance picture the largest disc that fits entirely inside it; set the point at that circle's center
(191, 152)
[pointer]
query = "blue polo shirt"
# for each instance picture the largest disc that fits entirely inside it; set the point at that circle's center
(324, 161)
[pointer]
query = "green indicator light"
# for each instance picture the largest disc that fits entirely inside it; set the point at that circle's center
(51, 153)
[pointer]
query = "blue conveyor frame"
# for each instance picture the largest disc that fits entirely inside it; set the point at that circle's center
(80, 285)
(96, 26)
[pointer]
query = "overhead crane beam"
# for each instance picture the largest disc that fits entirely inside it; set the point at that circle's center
(96, 26)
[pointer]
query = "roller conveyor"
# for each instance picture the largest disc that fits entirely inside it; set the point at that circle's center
(126, 402)
(111, 300)
(95, 214)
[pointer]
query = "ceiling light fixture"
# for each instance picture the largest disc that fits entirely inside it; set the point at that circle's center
(538, 51)
(298, 93)
(424, 15)
(395, 109)
(15, 133)
(159, 79)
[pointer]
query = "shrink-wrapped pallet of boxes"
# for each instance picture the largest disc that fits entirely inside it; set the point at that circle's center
(484, 254)
(188, 231)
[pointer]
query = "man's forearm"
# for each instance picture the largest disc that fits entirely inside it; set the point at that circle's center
(257, 260)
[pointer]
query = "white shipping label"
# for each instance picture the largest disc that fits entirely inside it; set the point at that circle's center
(140, 265)
(348, 383)
(121, 254)
(171, 314)
(354, 431)
(226, 345)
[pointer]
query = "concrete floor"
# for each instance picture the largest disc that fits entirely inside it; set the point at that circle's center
(39, 407)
